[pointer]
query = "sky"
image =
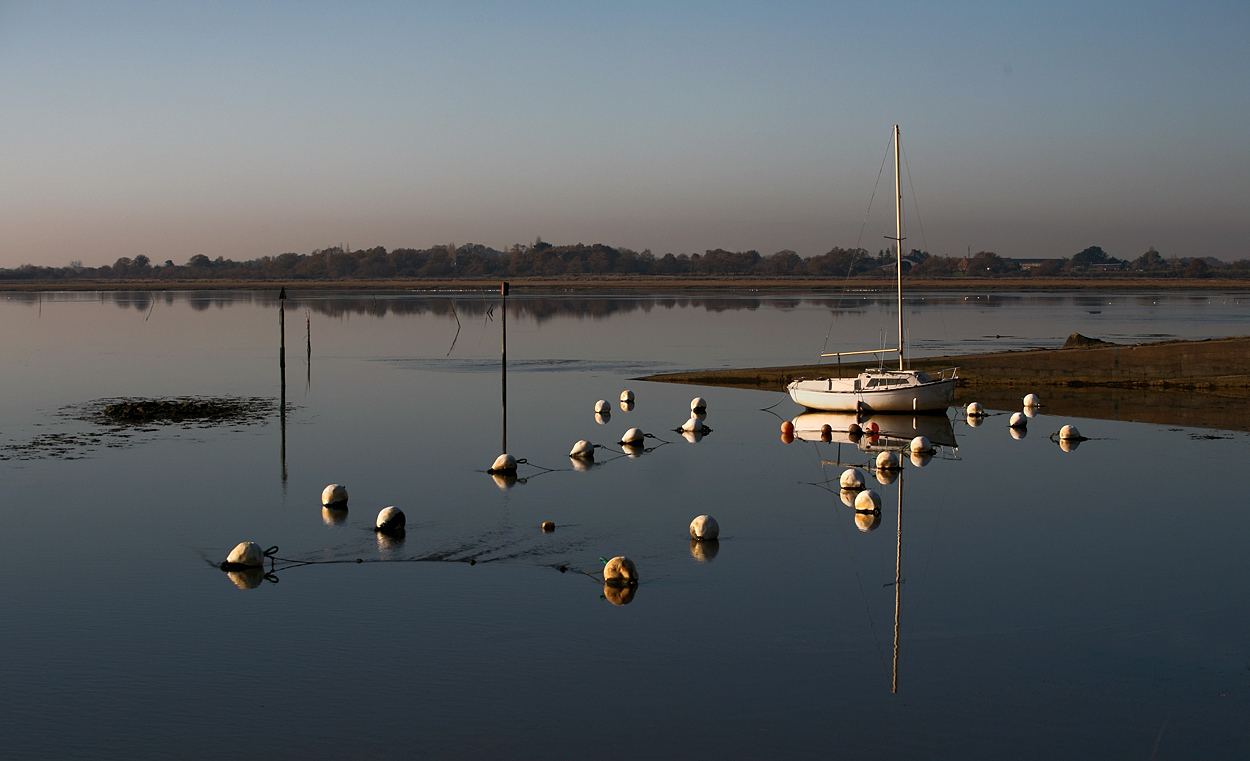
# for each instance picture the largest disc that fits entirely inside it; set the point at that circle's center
(253, 129)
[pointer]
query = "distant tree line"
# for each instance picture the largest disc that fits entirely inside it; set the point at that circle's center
(543, 259)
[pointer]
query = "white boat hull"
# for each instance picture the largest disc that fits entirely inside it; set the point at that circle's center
(841, 395)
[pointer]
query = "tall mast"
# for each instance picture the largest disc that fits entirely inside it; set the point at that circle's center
(898, 206)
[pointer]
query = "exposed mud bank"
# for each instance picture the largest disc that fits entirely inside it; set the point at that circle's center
(1204, 384)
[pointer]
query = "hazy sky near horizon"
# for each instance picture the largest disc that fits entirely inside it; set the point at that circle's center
(251, 129)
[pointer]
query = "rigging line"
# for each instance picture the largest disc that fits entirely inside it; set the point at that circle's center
(858, 241)
(925, 243)
(915, 614)
(914, 202)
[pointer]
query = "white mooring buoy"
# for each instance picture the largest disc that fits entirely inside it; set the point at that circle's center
(390, 519)
(975, 409)
(627, 396)
(851, 478)
(888, 461)
(246, 554)
(1069, 432)
(921, 445)
(1018, 420)
(633, 436)
(698, 404)
(334, 494)
(602, 406)
(584, 449)
(867, 501)
(504, 463)
(694, 424)
(620, 570)
(704, 527)
(1031, 400)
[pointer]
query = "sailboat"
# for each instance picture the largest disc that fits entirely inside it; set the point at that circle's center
(881, 389)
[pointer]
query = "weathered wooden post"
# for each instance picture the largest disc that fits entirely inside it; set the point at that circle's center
(282, 374)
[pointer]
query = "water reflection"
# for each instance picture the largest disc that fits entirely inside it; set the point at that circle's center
(505, 481)
(249, 578)
(619, 594)
(894, 432)
(390, 542)
(333, 516)
(704, 550)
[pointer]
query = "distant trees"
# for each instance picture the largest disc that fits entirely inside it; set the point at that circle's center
(989, 263)
(543, 259)
(1151, 260)
(1091, 255)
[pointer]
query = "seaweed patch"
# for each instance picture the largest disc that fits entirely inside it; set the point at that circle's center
(122, 422)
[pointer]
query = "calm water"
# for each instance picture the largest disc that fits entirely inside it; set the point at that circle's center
(1079, 604)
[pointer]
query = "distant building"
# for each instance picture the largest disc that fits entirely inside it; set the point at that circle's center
(1025, 264)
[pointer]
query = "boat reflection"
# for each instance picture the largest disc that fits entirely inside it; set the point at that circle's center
(892, 433)
(873, 435)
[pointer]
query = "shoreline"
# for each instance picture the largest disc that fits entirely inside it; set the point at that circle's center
(647, 284)
(1178, 365)
(1200, 384)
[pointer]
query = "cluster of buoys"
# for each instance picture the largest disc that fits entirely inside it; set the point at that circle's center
(865, 502)
(694, 429)
(1068, 437)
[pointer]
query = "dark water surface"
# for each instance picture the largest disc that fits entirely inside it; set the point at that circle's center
(1055, 604)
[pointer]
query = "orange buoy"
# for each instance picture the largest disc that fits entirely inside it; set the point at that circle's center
(787, 427)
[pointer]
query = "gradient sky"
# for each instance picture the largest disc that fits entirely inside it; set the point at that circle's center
(250, 129)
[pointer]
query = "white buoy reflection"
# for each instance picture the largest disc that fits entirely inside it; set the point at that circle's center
(249, 578)
(704, 551)
(333, 516)
(620, 594)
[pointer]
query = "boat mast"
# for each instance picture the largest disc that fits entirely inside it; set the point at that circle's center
(898, 206)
